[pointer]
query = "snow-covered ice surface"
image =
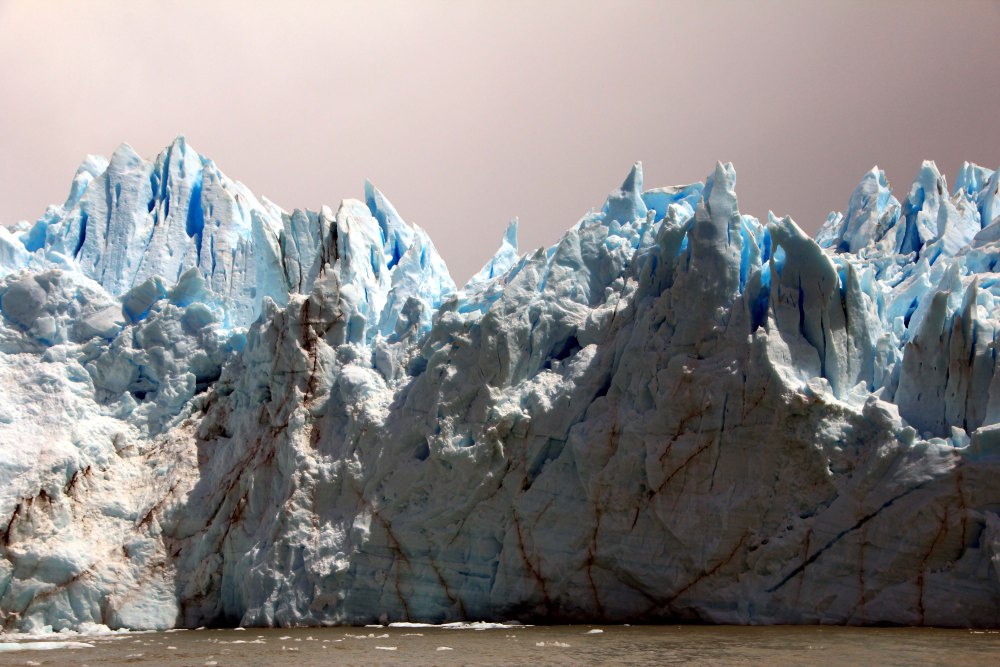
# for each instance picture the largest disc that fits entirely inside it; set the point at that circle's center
(216, 412)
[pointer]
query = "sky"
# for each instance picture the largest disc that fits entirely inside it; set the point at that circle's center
(467, 113)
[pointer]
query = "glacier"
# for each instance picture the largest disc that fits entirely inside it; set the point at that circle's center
(216, 412)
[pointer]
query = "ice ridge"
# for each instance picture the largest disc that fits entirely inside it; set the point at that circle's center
(218, 412)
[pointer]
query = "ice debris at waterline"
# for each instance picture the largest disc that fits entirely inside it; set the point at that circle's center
(217, 412)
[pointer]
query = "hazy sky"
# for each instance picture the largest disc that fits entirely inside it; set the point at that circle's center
(467, 113)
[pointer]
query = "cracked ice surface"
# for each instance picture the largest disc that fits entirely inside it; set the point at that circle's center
(218, 412)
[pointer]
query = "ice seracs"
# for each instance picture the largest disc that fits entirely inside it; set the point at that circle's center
(218, 412)
(501, 262)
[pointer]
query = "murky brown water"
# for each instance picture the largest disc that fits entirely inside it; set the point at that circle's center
(544, 645)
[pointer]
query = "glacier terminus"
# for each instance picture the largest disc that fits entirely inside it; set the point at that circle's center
(217, 412)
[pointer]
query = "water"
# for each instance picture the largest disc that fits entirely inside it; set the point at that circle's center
(544, 645)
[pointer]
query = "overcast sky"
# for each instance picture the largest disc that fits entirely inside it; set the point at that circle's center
(467, 113)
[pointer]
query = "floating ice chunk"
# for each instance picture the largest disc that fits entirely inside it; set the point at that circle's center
(479, 625)
(409, 624)
(12, 647)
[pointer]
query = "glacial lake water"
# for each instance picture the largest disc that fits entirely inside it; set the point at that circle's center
(523, 645)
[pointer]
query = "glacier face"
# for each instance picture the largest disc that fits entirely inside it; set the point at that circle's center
(217, 412)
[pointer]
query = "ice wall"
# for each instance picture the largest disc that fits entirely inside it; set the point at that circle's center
(216, 412)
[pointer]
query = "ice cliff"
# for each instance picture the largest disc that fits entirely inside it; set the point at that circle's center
(214, 411)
